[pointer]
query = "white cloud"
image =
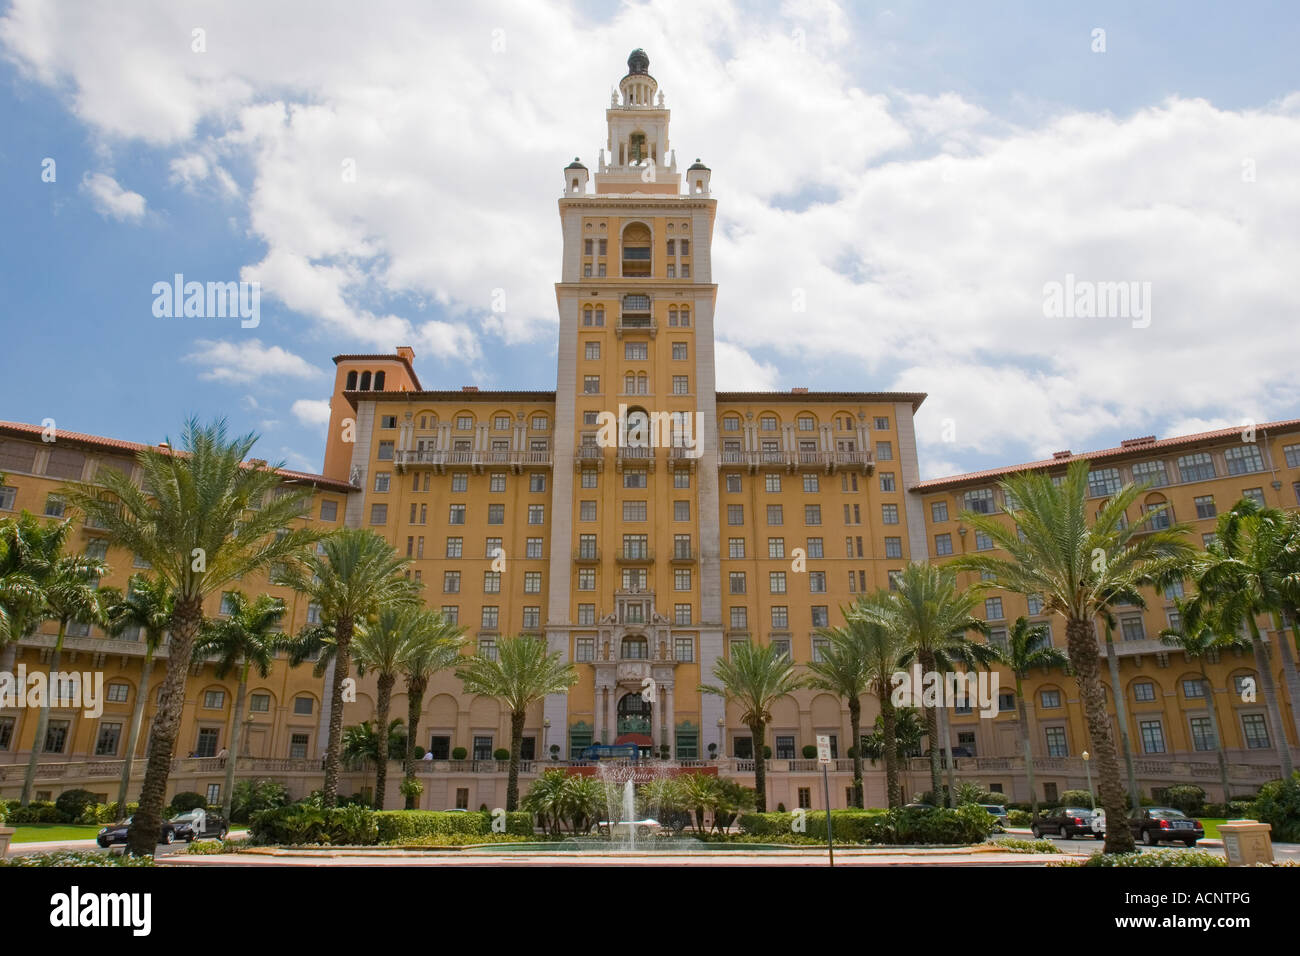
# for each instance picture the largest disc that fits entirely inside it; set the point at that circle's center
(242, 363)
(312, 411)
(919, 228)
(111, 199)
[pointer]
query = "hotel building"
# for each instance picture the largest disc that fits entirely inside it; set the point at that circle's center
(642, 523)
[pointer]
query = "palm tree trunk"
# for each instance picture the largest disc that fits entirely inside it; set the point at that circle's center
(1025, 745)
(892, 783)
(932, 731)
(1214, 729)
(512, 776)
(342, 668)
(133, 737)
(414, 699)
(1081, 642)
(1272, 708)
(43, 721)
(951, 768)
(146, 824)
(1289, 673)
(237, 723)
(757, 733)
(383, 704)
(1121, 718)
(855, 726)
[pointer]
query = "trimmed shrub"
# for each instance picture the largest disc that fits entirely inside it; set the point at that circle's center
(71, 804)
(964, 825)
(1075, 798)
(1026, 846)
(459, 753)
(38, 811)
(809, 752)
(1187, 797)
(1278, 805)
(77, 858)
(251, 797)
(400, 826)
(305, 824)
(501, 753)
(188, 800)
(1019, 818)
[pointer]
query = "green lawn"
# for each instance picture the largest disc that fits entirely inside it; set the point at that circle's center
(39, 832)
(1211, 825)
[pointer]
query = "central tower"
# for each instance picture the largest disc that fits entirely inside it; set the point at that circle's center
(635, 582)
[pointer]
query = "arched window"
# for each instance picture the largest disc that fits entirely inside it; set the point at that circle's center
(586, 316)
(636, 250)
(629, 383)
(600, 316)
(642, 384)
(365, 381)
(379, 381)
(636, 148)
(686, 317)
(672, 315)
(352, 381)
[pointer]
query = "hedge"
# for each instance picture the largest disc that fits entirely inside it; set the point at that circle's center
(966, 824)
(1278, 805)
(398, 825)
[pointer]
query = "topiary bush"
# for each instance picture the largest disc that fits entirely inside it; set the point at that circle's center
(964, 825)
(399, 826)
(501, 753)
(459, 753)
(809, 752)
(1278, 805)
(71, 804)
(1075, 798)
(1187, 797)
(1019, 818)
(188, 800)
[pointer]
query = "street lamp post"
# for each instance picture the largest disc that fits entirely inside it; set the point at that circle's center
(1087, 768)
(722, 737)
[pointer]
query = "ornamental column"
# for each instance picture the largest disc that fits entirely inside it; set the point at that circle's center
(668, 718)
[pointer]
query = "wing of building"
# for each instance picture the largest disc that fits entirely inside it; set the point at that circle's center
(641, 522)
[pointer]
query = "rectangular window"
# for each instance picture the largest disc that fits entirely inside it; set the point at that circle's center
(460, 481)
(587, 614)
(682, 615)
(586, 511)
(772, 482)
(681, 511)
(679, 351)
(681, 479)
(589, 477)
(889, 514)
(893, 547)
(736, 582)
(812, 515)
(636, 351)
(887, 481)
(635, 478)
(735, 547)
(775, 515)
(489, 618)
(537, 514)
(586, 579)
(884, 451)
(1202, 734)
(1195, 467)
(107, 740)
(1153, 736)
(1255, 731)
(735, 514)
(993, 608)
(739, 619)
(1050, 699)
(820, 615)
(1151, 472)
(817, 582)
(682, 579)
(532, 582)
(532, 617)
(1144, 691)
(1132, 629)
(450, 582)
(681, 385)
(983, 541)
(533, 549)
(592, 351)
(456, 514)
(634, 511)
(776, 547)
(979, 501)
(1103, 482)
(815, 548)
(1243, 459)
(584, 649)
(329, 511)
(1254, 494)
(733, 484)
(591, 384)
(942, 544)
(1056, 745)
(776, 582)
(385, 452)
(496, 514)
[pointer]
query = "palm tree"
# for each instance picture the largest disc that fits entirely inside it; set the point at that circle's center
(1078, 568)
(378, 647)
(1027, 648)
(881, 643)
(754, 678)
(1197, 641)
(521, 673)
(353, 574)
(29, 550)
(147, 605)
(200, 518)
(246, 638)
(362, 743)
(71, 594)
(842, 671)
(1236, 580)
(433, 644)
(933, 616)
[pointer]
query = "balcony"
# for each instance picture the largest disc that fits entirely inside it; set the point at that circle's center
(439, 459)
(635, 454)
(683, 555)
(683, 458)
(586, 556)
(806, 460)
(636, 556)
(635, 323)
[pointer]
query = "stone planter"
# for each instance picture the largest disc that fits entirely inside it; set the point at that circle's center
(6, 834)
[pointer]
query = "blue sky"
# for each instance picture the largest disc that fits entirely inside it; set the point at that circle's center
(918, 170)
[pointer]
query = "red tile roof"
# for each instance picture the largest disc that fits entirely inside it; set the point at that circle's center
(99, 443)
(1129, 448)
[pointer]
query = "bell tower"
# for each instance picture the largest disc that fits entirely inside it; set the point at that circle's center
(637, 157)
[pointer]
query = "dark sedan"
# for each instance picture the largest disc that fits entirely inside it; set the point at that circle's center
(197, 825)
(1066, 822)
(116, 833)
(1158, 824)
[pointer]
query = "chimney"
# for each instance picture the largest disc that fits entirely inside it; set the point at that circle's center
(406, 352)
(799, 391)
(1137, 442)
(163, 446)
(1062, 454)
(469, 388)
(257, 462)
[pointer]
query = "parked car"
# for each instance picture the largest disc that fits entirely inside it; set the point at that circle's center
(116, 833)
(1153, 825)
(1099, 823)
(200, 825)
(642, 828)
(998, 812)
(1066, 822)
